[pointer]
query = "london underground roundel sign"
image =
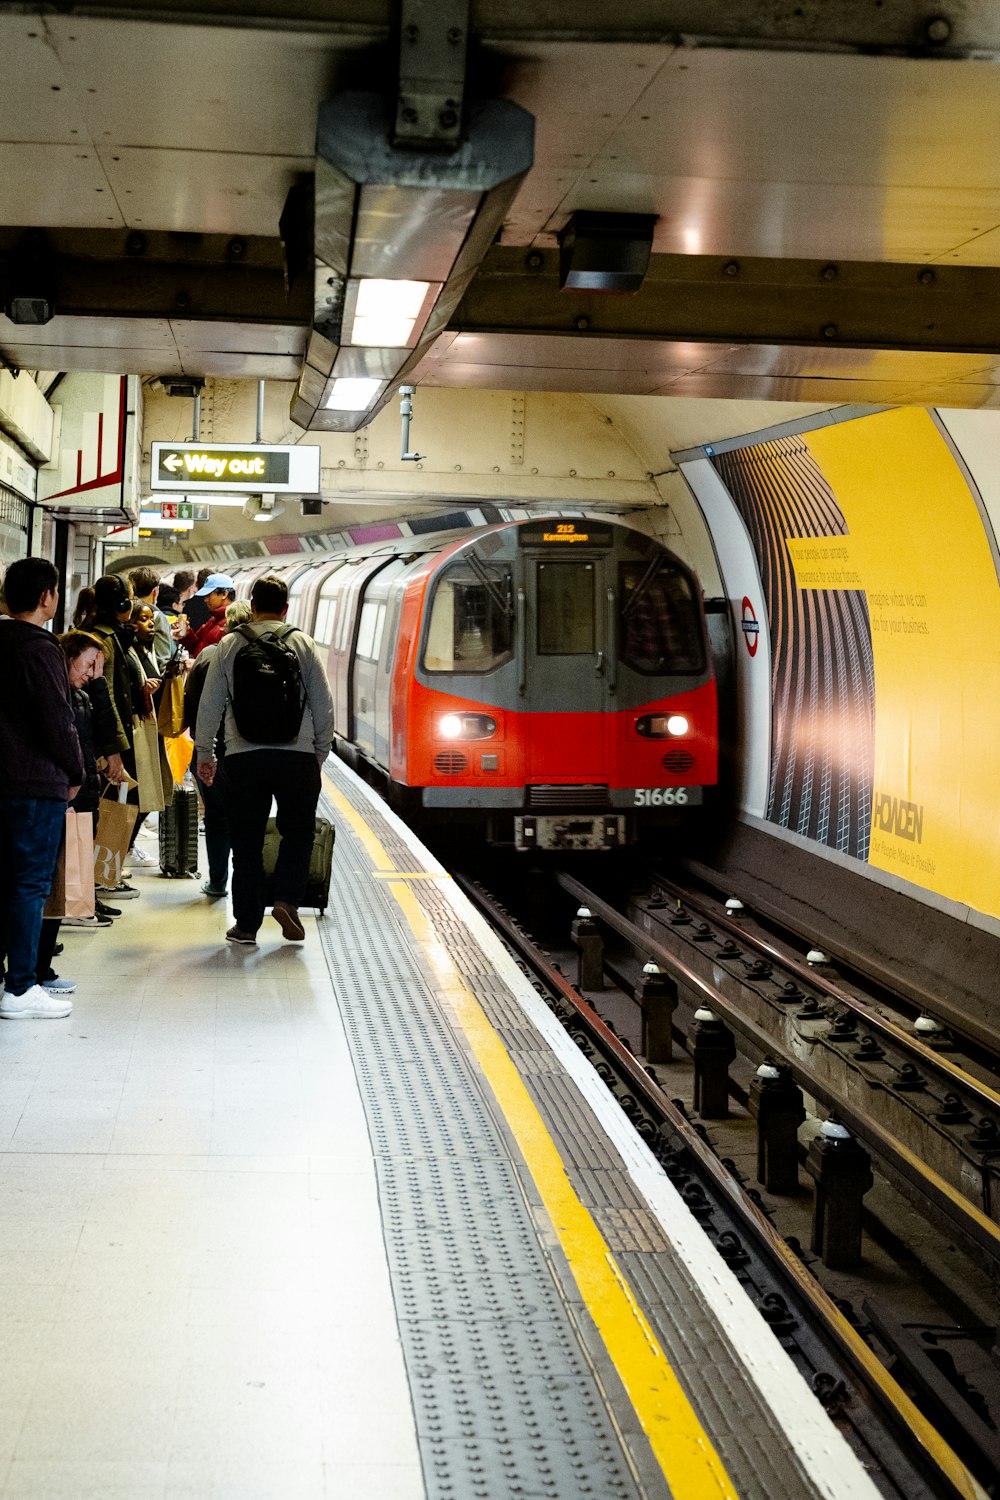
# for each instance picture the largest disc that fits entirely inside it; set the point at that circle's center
(750, 627)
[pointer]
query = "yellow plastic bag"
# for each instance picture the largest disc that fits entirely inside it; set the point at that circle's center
(180, 752)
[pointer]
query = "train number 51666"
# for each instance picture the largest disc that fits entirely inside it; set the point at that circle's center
(660, 796)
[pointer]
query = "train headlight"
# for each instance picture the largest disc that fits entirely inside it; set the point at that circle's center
(663, 726)
(466, 727)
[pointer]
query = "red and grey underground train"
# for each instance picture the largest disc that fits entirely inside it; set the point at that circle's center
(550, 680)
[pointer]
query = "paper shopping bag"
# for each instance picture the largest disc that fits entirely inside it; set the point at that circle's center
(170, 714)
(72, 892)
(146, 746)
(114, 830)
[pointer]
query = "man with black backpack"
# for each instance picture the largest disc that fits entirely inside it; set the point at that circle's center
(268, 680)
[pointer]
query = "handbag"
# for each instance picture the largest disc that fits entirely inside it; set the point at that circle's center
(146, 747)
(115, 822)
(170, 714)
(72, 890)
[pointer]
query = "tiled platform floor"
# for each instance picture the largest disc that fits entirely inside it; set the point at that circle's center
(194, 1300)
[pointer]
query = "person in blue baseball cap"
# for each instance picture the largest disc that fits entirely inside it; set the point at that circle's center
(218, 592)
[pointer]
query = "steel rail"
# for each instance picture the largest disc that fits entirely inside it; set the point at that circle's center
(891, 1399)
(984, 1096)
(964, 1218)
(946, 1010)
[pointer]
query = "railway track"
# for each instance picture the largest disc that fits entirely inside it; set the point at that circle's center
(933, 1127)
(844, 1348)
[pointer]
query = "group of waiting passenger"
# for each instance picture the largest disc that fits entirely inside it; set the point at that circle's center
(82, 710)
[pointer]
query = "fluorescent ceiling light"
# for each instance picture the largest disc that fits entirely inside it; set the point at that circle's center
(386, 311)
(352, 394)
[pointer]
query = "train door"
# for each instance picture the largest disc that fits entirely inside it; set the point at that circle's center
(566, 604)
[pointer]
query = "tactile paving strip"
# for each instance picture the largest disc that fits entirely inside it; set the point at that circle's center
(507, 1382)
(750, 1442)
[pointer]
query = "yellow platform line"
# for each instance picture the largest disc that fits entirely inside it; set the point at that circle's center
(691, 1466)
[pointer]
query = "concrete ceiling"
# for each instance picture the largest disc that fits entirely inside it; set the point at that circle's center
(826, 184)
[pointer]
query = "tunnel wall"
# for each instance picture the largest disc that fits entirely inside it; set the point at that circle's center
(859, 555)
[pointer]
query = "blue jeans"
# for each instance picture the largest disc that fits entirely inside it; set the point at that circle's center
(31, 830)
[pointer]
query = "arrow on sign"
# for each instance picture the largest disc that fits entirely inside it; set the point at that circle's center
(173, 463)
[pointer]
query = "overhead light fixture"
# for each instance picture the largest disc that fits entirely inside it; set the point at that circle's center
(601, 252)
(386, 312)
(400, 227)
(352, 395)
(263, 508)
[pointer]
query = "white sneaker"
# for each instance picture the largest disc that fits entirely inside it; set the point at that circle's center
(138, 859)
(35, 1004)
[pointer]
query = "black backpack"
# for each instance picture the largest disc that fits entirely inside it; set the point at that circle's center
(268, 697)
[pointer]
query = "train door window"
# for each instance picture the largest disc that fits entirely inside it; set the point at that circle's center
(366, 629)
(392, 633)
(346, 613)
(567, 624)
(471, 625)
(379, 628)
(660, 622)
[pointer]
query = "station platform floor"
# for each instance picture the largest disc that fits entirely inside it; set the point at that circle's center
(354, 1218)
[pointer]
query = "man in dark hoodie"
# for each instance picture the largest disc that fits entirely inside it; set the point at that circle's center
(41, 769)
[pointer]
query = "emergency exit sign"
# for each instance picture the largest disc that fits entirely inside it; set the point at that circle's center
(252, 469)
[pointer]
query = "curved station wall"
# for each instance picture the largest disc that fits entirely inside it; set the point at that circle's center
(859, 551)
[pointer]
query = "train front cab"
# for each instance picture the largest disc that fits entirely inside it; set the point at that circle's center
(560, 683)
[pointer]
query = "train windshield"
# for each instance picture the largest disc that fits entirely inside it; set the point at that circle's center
(472, 617)
(660, 624)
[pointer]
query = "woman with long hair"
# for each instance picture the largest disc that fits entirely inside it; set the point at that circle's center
(112, 624)
(84, 663)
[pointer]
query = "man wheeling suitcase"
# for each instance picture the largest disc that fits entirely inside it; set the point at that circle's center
(268, 685)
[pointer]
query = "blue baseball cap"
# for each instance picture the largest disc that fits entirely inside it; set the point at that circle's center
(216, 581)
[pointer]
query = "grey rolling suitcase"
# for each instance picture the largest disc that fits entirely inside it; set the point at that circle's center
(179, 834)
(320, 864)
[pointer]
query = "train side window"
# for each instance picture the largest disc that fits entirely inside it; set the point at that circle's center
(660, 621)
(324, 621)
(566, 612)
(471, 625)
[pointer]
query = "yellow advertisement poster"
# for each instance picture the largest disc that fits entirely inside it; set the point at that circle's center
(917, 545)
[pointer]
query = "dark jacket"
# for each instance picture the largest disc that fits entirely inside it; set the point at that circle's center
(88, 797)
(117, 675)
(109, 736)
(40, 752)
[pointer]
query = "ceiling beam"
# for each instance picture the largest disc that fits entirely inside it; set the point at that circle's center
(690, 298)
(117, 273)
(908, 27)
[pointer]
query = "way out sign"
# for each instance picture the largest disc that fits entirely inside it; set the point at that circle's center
(252, 468)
